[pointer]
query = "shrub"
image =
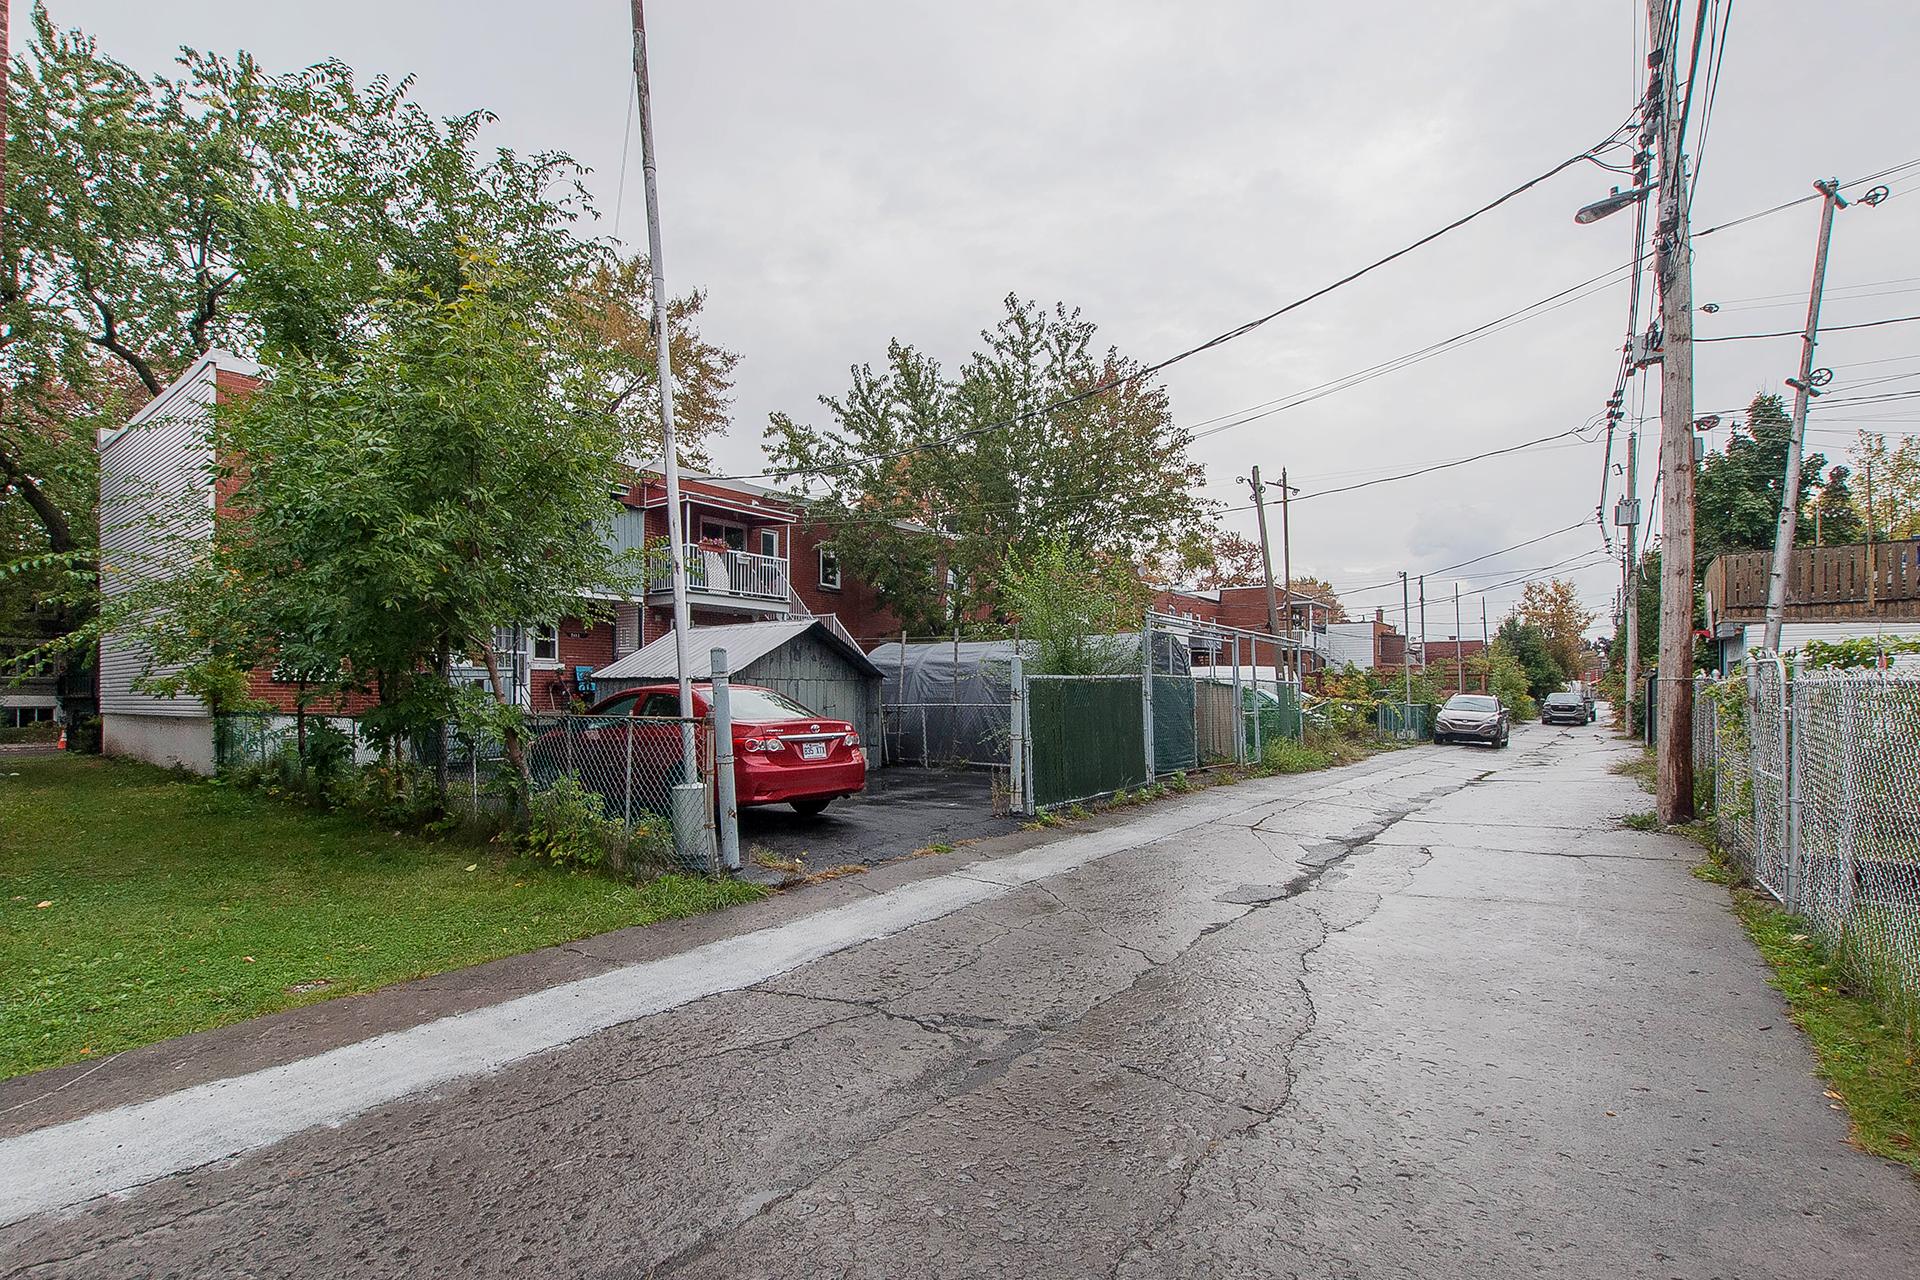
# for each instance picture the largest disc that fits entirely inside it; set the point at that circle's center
(1284, 755)
(568, 826)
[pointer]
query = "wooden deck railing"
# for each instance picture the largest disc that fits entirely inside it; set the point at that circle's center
(1823, 583)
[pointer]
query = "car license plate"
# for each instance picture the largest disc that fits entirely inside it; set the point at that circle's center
(813, 751)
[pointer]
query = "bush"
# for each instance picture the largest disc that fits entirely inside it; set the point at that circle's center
(1284, 755)
(39, 731)
(568, 826)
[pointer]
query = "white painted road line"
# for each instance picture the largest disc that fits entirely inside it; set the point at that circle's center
(115, 1151)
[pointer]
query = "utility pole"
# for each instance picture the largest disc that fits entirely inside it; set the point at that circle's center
(1406, 635)
(1803, 391)
(1673, 276)
(676, 544)
(1286, 561)
(1266, 553)
(1872, 565)
(1630, 579)
(1423, 624)
(1486, 646)
(1459, 646)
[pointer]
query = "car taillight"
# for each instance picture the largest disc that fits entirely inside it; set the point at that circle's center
(762, 744)
(853, 739)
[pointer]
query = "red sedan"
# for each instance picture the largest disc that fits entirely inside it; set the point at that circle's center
(782, 752)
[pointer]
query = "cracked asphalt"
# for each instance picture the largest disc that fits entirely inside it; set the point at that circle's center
(1437, 1014)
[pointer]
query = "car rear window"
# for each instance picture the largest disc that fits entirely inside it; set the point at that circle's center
(763, 704)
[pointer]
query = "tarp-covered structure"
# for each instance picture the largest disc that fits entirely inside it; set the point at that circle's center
(949, 703)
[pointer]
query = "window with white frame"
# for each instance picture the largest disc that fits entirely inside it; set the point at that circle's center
(546, 643)
(829, 570)
(769, 540)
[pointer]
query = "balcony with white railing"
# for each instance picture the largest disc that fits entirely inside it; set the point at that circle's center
(727, 579)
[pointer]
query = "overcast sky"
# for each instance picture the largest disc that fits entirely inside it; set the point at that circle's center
(836, 174)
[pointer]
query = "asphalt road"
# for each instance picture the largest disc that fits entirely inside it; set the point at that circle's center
(1434, 1015)
(904, 808)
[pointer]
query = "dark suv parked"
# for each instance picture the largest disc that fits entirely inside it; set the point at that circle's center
(1565, 708)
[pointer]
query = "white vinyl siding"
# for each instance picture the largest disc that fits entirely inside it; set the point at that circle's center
(156, 505)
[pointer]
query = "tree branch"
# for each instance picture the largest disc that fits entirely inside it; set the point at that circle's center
(52, 519)
(109, 337)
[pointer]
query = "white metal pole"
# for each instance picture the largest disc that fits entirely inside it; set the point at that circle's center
(1146, 690)
(729, 807)
(663, 345)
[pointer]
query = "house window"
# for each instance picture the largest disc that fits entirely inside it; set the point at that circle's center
(733, 535)
(546, 643)
(829, 570)
(769, 542)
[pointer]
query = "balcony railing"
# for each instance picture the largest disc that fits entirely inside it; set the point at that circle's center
(1823, 583)
(740, 574)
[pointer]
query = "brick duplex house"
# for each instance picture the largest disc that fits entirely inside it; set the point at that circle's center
(750, 555)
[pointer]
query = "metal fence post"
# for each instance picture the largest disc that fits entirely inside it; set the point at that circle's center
(1239, 708)
(1146, 690)
(1017, 736)
(728, 808)
(1790, 765)
(1259, 747)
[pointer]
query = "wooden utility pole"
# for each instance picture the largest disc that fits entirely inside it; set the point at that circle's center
(1459, 645)
(1673, 275)
(1406, 638)
(1486, 647)
(1266, 552)
(1423, 624)
(1871, 576)
(1286, 561)
(1784, 532)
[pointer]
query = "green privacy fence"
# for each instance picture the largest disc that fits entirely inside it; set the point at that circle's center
(1087, 736)
(1175, 746)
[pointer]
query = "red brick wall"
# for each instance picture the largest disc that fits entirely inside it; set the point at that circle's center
(856, 603)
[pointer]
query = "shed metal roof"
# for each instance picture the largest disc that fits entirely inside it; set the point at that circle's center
(745, 643)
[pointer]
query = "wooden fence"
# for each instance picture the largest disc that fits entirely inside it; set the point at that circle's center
(1824, 583)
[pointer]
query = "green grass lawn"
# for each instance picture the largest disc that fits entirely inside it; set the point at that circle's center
(137, 905)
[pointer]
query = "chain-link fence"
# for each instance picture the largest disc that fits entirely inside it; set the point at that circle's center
(942, 734)
(630, 771)
(1816, 785)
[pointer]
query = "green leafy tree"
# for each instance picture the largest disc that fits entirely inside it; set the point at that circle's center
(1554, 608)
(1530, 647)
(1836, 511)
(403, 506)
(1070, 604)
(921, 472)
(152, 218)
(1888, 495)
(1737, 493)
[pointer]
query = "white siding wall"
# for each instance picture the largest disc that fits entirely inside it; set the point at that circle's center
(1347, 642)
(156, 503)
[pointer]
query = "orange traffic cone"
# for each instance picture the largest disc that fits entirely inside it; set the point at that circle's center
(61, 745)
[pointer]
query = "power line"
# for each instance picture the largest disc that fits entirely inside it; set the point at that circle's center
(1796, 333)
(1219, 339)
(1461, 564)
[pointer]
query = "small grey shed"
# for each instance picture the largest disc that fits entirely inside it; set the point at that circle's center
(801, 658)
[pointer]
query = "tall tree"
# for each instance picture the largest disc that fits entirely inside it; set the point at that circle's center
(1236, 562)
(152, 218)
(1554, 607)
(976, 460)
(1320, 591)
(1529, 645)
(1837, 518)
(1895, 473)
(1737, 495)
(403, 505)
